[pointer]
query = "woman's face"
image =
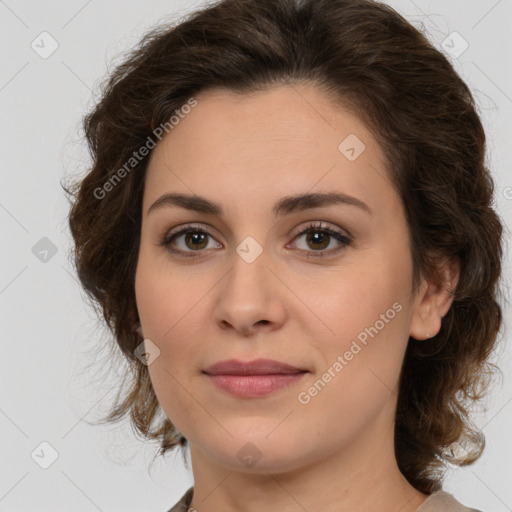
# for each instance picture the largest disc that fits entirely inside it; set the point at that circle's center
(334, 301)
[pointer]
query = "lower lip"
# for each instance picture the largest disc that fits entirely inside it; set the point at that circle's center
(254, 386)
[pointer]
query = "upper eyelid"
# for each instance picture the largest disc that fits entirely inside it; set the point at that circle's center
(316, 224)
(188, 227)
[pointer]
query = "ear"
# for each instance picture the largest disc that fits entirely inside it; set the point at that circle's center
(433, 300)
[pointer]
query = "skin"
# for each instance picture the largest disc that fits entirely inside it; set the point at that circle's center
(246, 152)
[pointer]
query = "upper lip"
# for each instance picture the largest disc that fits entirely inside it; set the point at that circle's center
(255, 367)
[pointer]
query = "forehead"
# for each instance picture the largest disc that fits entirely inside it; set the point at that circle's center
(287, 138)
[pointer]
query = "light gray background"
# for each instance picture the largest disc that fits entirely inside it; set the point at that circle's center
(49, 334)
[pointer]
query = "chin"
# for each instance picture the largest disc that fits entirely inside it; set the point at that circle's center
(249, 450)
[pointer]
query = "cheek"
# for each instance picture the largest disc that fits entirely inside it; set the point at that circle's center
(359, 365)
(164, 296)
(168, 307)
(362, 311)
(171, 324)
(351, 300)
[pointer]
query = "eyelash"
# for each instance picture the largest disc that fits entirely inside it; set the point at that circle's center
(345, 241)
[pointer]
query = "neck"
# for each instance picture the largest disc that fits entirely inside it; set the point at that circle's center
(361, 475)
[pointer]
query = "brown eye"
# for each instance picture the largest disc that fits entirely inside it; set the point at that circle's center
(196, 240)
(318, 238)
(187, 241)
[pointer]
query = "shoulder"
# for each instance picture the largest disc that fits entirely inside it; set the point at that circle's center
(184, 502)
(442, 501)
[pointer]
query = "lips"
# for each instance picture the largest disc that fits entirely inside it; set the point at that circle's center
(253, 379)
(255, 367)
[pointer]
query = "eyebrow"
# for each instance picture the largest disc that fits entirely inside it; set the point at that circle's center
(284, 206)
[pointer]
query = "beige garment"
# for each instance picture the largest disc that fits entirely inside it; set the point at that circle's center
(440, 501)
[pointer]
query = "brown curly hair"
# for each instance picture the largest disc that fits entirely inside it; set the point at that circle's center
(373, 61)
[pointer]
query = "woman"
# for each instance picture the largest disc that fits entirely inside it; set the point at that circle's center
(288, 226)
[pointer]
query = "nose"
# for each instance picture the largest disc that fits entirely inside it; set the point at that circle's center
(250, 298)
